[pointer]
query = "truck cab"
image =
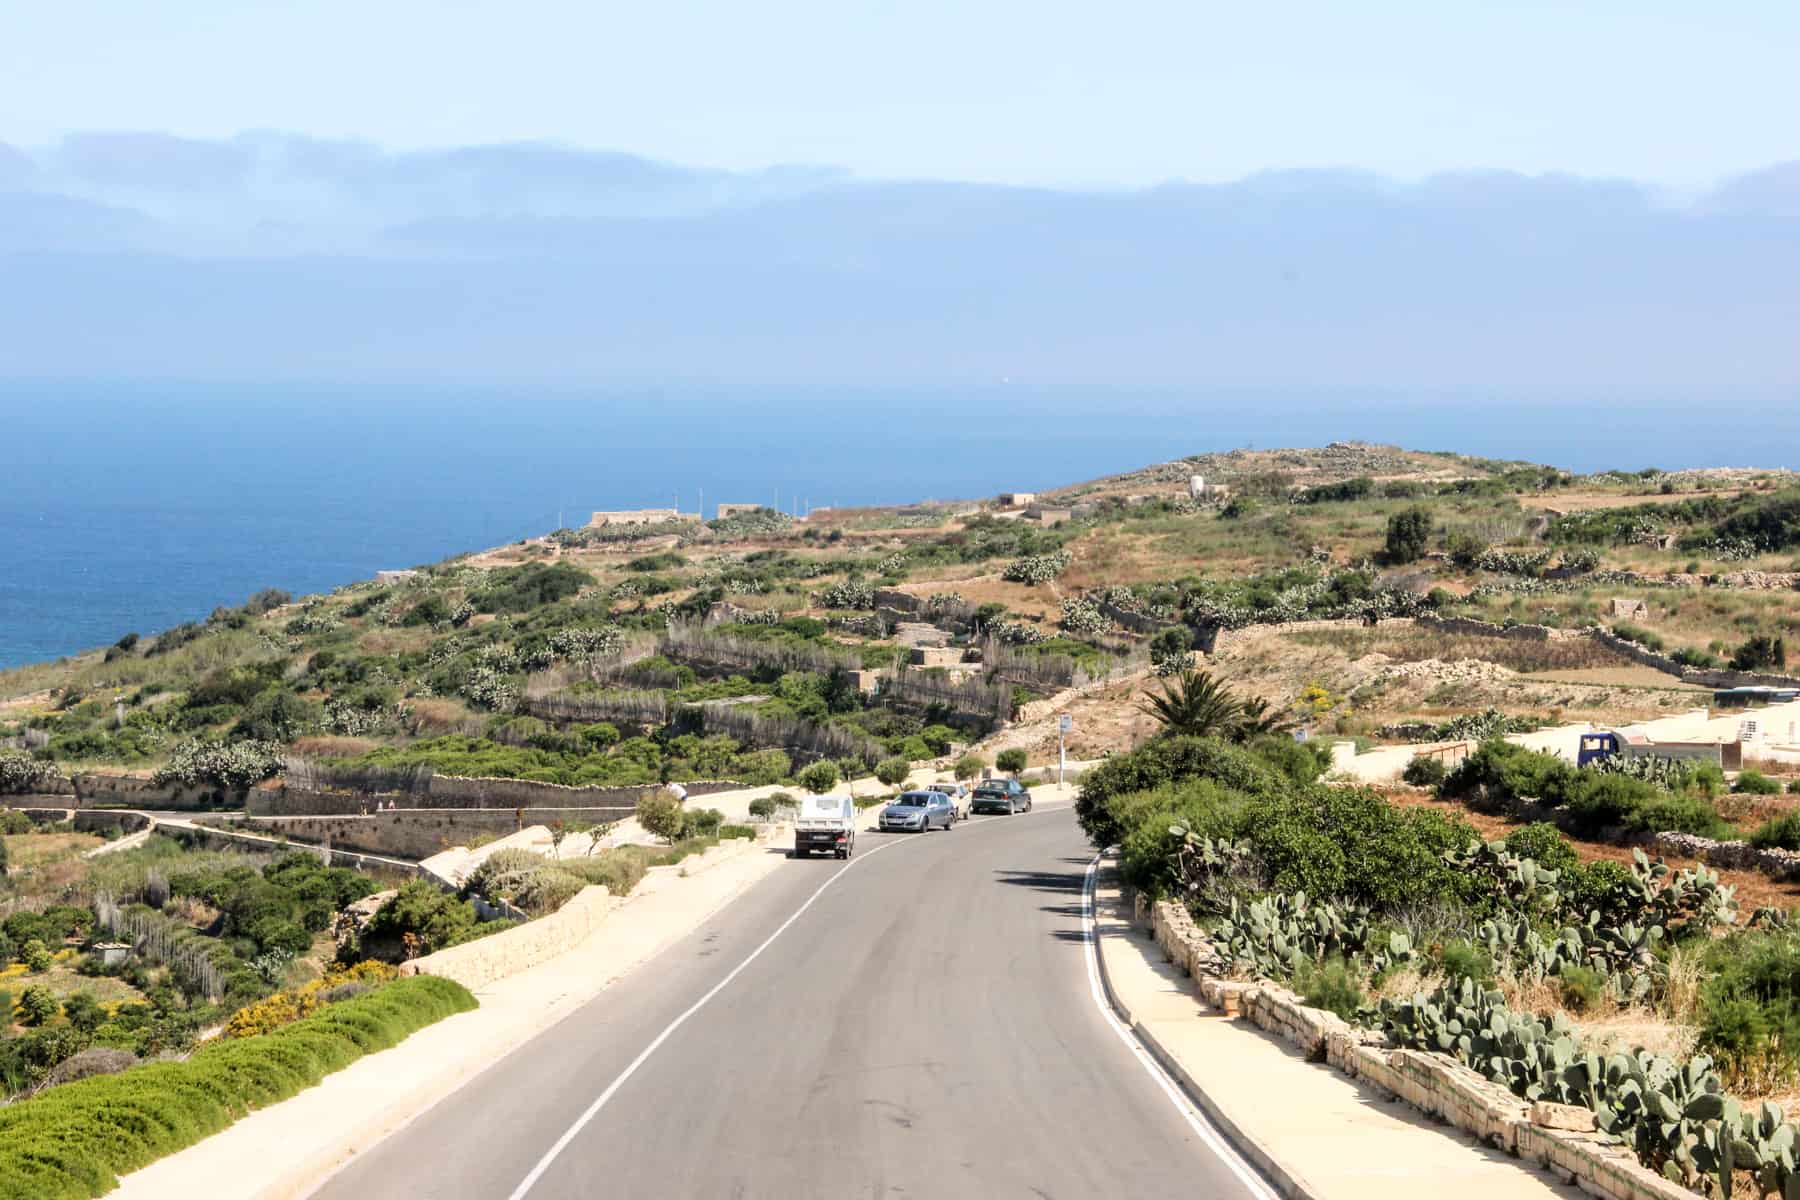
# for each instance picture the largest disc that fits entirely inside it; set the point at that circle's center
(1597, 747)
(825, 823)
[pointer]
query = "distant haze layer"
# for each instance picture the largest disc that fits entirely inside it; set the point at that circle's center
(274, 256)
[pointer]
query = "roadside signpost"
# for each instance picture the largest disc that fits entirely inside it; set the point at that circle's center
(1064, 723)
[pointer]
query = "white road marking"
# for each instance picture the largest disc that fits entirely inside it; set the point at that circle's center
(593, 1110)
(1197, 1121)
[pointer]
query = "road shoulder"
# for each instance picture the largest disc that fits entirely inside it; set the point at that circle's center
(289, 1148)
(1315, 1133)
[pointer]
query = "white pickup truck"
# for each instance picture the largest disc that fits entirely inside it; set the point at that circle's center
(825, 823)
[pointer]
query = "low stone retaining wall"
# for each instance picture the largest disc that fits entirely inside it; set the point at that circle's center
(1551, 1135)
(1733, 855)
(452, 792)
(420, 832)
(478, 963)
(481, 962)
(213, 838)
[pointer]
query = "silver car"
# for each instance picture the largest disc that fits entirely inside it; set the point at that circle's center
(918, 812)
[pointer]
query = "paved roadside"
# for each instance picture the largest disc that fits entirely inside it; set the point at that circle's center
(916, 1022)
(287, 1149)
(1312, 1130)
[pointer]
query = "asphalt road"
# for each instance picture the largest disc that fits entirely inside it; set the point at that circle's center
(924, 1028)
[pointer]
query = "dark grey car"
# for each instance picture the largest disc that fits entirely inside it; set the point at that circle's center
(917, 812)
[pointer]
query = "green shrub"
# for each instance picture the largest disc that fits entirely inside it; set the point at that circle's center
(1754, 783)
(1501, 772)
(1012, 761)
(73, 1141)
(434, 917)
(892, 771)
(1424, 771)
(1331, 986)
(700, 822)
(1760, 653)
(547, 889)
(1597, 886)
(1638, 634)
(660, 814)
(1462, 959)
(1351, 844)
(618, 871)
(36, 956)
(819, 778)
(1161, 761)
(1198, 805)
(969, 766)
(1582, 989)
(1778, 833)
(1408, 535)
(726, 833)
(1544, 843)
(1750, 1001)
(38, 1005)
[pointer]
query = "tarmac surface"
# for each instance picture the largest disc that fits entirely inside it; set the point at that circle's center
(917, 1022)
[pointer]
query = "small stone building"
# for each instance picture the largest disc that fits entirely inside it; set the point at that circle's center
(1629, 610)
(640, 516)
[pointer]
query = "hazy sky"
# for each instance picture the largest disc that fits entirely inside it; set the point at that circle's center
(1675, 91)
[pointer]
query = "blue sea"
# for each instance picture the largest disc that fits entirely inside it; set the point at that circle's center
(134, 506)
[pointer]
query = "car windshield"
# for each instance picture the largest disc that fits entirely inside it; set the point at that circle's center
(917, 800)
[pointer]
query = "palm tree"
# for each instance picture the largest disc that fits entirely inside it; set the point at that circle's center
(1194, 704)
(1256, 719)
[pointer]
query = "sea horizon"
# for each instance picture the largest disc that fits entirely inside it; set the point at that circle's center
(130, 506)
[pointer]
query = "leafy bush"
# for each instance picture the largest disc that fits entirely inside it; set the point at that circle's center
(660, 815)
(1582, 989)
(1638, 634)
(38, 1005)
(521, 589)
(1544, 843)
(434, 918)
(892, 771)
(819, 778)
(1037, 568)
(1424, 770)
(618, 871)
(700, 822)
(1351, 844)
(35, 956)
(1332, 986)
(1753, 782)
(1011, 760)
(1462, 959)
(1760, 653)
(1408, 535)
(20, 773)
(235, 765)
(1750, 1002)
(1778, 833)
(969, 766)
(72, 1142)
(1162, 761)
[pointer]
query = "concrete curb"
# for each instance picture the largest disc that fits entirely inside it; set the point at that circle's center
(1287, 1180)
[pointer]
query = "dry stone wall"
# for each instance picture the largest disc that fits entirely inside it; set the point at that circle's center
(1434, 1084)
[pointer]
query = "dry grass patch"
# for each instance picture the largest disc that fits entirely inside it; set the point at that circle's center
(328, 745)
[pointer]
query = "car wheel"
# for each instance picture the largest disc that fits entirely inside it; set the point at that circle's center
(799, 853)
